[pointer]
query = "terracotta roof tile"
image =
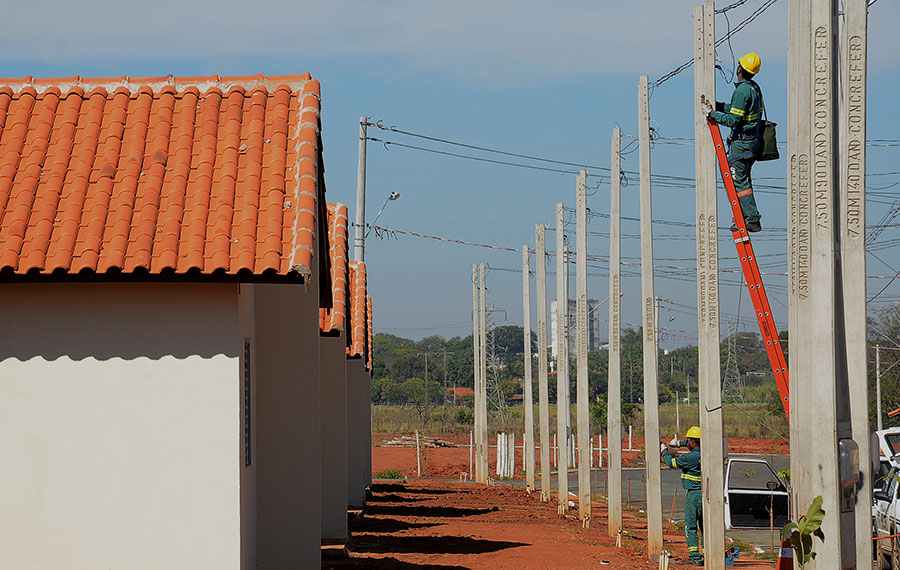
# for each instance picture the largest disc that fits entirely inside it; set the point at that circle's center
(358, 318)
(334, 318)
(159, 174)
(370, 347)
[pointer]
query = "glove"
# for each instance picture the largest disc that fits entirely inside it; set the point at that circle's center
(662, 447)
(674, 442)
(706, 105)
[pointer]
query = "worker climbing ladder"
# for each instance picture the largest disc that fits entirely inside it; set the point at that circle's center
(751, 274)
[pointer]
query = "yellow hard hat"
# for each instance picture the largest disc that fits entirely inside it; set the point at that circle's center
(693, 433)
(750, 62)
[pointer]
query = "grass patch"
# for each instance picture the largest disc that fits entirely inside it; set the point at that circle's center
(389, 474)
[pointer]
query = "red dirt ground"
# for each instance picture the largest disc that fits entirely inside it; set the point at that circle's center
(440, 524)
(448, 462)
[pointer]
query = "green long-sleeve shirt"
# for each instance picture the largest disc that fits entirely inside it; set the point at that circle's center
(689, 463)
(742, 114)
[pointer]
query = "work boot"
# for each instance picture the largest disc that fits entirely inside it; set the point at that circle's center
(754, 227)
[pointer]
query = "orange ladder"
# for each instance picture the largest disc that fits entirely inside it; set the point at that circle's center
(752, 276)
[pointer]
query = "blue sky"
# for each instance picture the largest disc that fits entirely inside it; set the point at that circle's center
(541, 78)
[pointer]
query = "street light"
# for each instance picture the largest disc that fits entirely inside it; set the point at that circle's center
(391, 197)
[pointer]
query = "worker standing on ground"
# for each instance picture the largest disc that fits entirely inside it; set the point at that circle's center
(689, 463)
(743, 116)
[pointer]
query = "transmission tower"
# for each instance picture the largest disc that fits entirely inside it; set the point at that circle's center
(732, 385)
(494, 389)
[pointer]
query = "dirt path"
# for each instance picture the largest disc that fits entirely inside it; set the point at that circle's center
(436, 524)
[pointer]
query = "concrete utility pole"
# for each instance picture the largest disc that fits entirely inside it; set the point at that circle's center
(476, 369)
(359, 233)
(709, 389)
(584, 416)
(614, 385)
(853, 255)
(651, 346)
(836, 216)
(562, 364)
(484, 413)
(540, 258)
(800, 350)
(528, 454)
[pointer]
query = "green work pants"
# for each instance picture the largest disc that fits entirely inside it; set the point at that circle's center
(693, 521)
(741, 159)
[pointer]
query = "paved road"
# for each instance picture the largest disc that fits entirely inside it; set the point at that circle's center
(670, 479)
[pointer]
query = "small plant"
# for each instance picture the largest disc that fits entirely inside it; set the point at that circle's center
(785, 474)
(801, 532)
(389, 474)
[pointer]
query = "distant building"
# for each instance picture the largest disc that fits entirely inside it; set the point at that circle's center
(595, 340)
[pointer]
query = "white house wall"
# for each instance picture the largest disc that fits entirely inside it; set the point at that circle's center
(118, 412)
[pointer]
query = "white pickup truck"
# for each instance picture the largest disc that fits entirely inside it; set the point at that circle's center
(755, 496)
(885, 512)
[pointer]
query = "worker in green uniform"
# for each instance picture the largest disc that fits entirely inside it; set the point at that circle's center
(742, 115)
(689, 463)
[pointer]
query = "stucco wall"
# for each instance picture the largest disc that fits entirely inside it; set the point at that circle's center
(333, 353)
(288, 431)
(118, 415)
(359, 438)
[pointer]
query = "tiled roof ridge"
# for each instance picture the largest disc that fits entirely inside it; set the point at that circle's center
(358, 317)
(333, 318)
(156, 84)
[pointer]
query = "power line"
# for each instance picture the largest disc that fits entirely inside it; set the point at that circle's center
(740, 26)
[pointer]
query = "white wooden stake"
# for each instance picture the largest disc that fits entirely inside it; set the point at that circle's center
(651, 346)
(614, 388)
(540, 259)
(418, 457)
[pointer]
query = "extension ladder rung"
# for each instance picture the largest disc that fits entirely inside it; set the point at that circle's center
(752, 275)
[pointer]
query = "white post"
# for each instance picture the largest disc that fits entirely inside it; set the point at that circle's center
(562, 365)
(478, 476)
(359, 233)
(709, 384)
(878, 385)
(581, 315)
(651, 341)
(418, 457)
(591, 450)
(512, 455)
(483, 352)
(600, 450)
(853, 261)
(614, 388)
(629, 439)
(540, 259)
(677, 413)
(471, 449)
(499, 465)
(528, 440)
